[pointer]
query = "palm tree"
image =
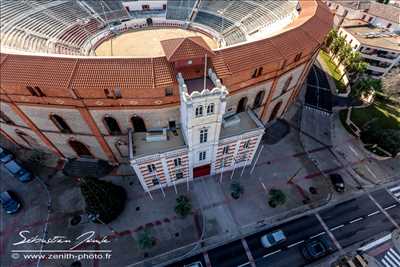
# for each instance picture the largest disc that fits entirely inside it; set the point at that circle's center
(344, 53)
(332, 35)
(336, 45)
(354, 64)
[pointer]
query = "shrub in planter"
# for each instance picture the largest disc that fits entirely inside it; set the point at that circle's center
(183, 206)
(145, 240)
(236, 190)
(276, 198)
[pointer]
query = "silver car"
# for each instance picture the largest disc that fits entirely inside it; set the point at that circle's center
(273, 238)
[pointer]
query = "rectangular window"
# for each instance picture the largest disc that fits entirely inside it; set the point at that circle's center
(155, 181)
(203, 135)
(202, 155)
(168, 92)
(225, 150)
(177, 162)
(199, 111)
(210, 109)
(151, 168)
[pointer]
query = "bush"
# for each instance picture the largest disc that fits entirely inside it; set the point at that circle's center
(236, 190)
(103, 199)
(276, 197)
(183, 206)
(388, 140)
(145, 240)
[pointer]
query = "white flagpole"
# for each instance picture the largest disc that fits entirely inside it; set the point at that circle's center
(222, 170)
(161, 187)
(252, 169)
(234, 168)
(244, 167)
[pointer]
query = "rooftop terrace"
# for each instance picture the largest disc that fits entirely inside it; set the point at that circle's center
(239, 124)
(369, 35)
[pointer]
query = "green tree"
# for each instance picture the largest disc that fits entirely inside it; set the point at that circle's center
(366, 86)
(146, 240)
(183, 206)
(337, 43)
(276, 197)
(345, 53)
(388, 139)
(103, 199)
(332, 35)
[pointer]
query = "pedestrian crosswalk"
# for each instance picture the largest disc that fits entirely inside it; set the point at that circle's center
(391, 258)
(395, 191)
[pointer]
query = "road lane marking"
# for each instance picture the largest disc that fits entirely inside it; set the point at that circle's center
(394, 188)
(353, 150)
(374, 213)
(390, 207)
(272, 253)
(390, 260)
(385, 263)
(336, 227)
(356, 220)
(331, 236)
(295, 244)
(397, 256)
(244, 264)
(314, 236)
(394, 256)
(369, 170)
(376, 242)
(383, 210)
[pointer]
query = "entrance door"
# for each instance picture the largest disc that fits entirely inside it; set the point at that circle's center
(202, 170)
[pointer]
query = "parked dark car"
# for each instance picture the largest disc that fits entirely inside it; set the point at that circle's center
(317, 248)
(5, 155)
(10, 202)
(337, 182)
(18, 171)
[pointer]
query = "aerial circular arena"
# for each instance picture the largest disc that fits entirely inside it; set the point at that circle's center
(76, 76)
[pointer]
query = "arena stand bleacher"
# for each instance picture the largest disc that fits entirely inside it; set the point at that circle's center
(64, 26)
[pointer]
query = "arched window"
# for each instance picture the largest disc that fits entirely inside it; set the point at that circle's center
(80, 149)
(259, 99)
(287, 84)
(275, 111)
(5, 119)
(241, 105)
(199, 111)
(29, 140)
(112, 125)
(60, 123)
(210, 109)
(138, 124)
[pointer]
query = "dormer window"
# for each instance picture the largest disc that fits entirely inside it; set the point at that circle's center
(199, 111)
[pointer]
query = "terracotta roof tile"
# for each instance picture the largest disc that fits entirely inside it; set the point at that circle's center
(250, 55)
(163, 72)
(184, 48)
(106, 73)
(39, 71)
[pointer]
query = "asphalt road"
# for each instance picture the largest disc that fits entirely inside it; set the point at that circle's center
(350, 222)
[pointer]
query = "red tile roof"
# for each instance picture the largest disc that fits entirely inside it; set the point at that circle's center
(186, 48)
(144, 77)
